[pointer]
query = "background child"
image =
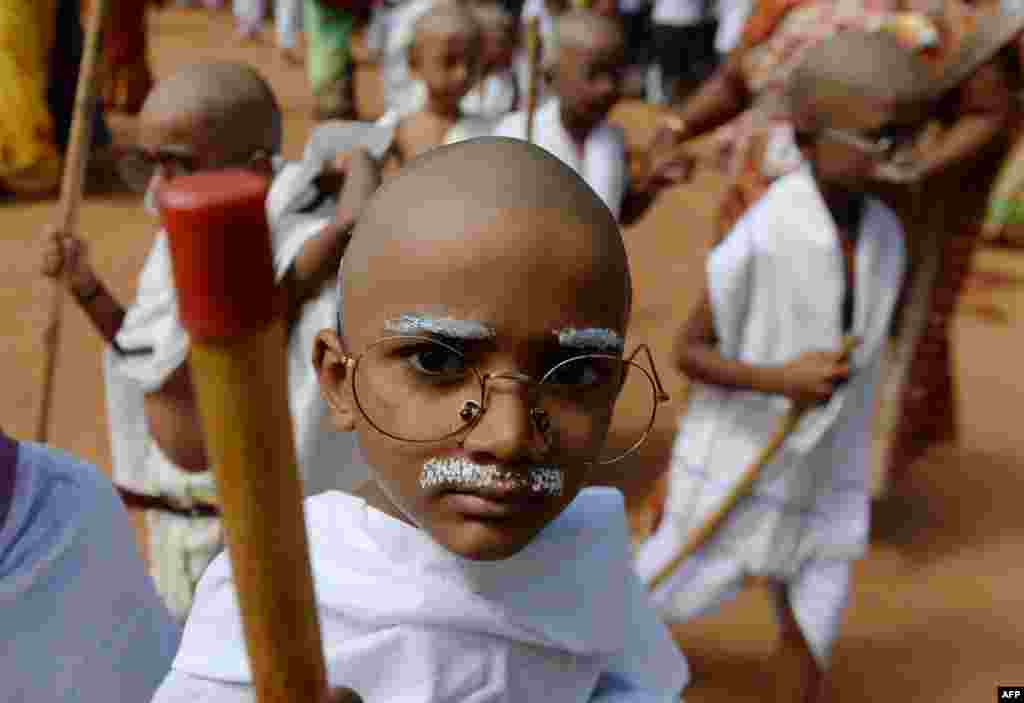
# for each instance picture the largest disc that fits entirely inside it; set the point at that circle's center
(204, 117)
(497, 92)
(445, 56)
(587, 71)
(814, 260)
(474, 560)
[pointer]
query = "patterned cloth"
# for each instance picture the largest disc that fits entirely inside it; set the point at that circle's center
(758, 144)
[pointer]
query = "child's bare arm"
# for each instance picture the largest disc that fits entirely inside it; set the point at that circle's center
(320, 257)
(171, 412)
(811, 377)
(65, 258)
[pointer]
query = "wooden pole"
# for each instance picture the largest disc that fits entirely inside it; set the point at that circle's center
(747, 480)
(75, 161)
(533, 48)
(231, 309)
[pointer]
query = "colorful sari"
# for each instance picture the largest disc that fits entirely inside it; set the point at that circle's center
(917, 404)
(758, 145)
(128, 78)
(1004, 216)
(30, 163)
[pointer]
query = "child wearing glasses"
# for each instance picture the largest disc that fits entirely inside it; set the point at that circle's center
(204, 117)
(815, 260)
(587, 64)
(478, 357)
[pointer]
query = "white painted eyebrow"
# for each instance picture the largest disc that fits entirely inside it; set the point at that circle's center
(591, 338)
(413, 324)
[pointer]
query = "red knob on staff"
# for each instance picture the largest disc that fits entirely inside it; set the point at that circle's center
(220, 246)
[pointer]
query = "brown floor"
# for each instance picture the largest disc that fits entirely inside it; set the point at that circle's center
(934, 616)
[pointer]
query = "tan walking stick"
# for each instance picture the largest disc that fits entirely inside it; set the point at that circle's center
(533, 72)
(747, 480)
(75, 161)
(232, 311)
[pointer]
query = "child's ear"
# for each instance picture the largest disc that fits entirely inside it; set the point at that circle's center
(329, 360)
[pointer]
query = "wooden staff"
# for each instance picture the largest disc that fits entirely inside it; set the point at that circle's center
(747, 480)
(533, 71)
(220, 247)
(75, 161)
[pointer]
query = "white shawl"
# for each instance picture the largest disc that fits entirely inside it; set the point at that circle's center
(601, 162)
(404, 620)
(494, 97)
(776, 283)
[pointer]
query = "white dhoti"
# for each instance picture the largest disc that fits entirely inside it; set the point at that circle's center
(776, 284)
(600, 160)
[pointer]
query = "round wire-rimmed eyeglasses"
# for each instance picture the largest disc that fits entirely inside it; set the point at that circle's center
(405, 369)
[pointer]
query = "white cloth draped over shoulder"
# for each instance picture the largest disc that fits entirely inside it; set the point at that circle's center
(600, 161)
(494, 97)
(403, 619)
(79, 618)
(182, 546)
(776, 284)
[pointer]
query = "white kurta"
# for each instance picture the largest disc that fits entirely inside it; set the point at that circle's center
(776, 285)
(403, 619)
(182, 546)
(79, 618)
(601, 161)
(391, 33)
(494, 98)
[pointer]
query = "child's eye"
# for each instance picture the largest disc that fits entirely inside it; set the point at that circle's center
(437, 362)
(583, 372)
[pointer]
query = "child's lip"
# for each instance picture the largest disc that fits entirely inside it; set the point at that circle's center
(493, 502)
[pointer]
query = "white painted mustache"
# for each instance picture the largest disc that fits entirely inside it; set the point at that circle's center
(460, 473)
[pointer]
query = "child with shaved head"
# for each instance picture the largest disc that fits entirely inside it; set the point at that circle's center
(478, 359)
(816, 259)
(587, 63)
(205, 117)
(446, 56)
(497, 92)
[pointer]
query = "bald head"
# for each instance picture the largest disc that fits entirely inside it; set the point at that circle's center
(489, 212)
(230, 103)
(853, 68)
(583, 29)
(446, 19)
(494, 18)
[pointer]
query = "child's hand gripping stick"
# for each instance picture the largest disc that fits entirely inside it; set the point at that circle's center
(786, 427)
(220, 246)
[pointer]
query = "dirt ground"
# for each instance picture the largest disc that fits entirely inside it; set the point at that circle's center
(936, 613)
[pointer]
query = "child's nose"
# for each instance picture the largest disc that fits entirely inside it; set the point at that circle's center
(507, 432)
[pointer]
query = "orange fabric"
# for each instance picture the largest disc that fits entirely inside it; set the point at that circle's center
(764, 20)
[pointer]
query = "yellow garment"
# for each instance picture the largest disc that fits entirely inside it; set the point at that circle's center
(29, 160)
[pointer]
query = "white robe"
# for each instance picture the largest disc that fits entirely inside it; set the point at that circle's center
(391, 33)
(403, 619)
(601, 162)
(182, 546)
(79, 618)
(494, 98)
(776, 285)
